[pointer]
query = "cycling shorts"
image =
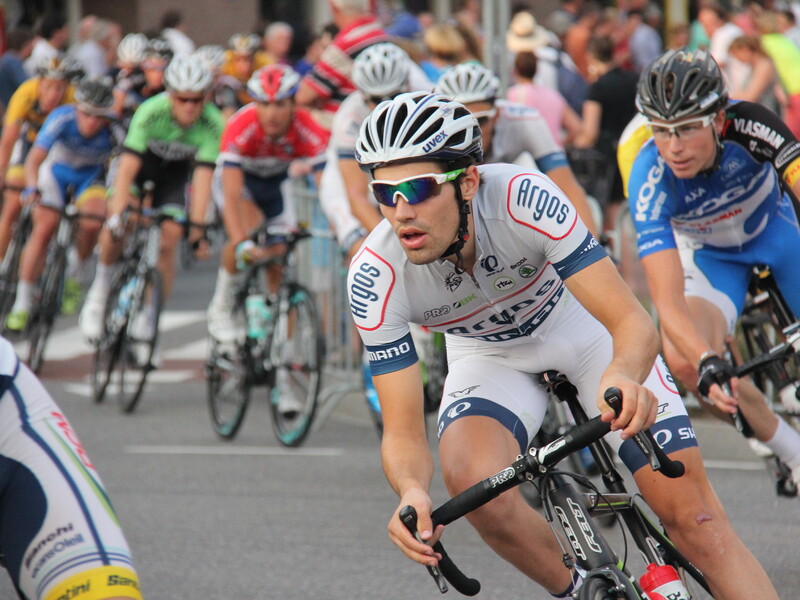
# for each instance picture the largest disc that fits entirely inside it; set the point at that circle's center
(59, 535)
(16, 164)
(499, 381)
(54, 179)
(270, 194)
(721, 275)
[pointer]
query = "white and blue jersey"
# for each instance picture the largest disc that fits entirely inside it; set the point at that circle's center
(66, 146)
(522, 129)
(511, 318)
(72, 159)
(722, 223)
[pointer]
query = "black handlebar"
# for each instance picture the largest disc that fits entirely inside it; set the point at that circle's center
(482, 492)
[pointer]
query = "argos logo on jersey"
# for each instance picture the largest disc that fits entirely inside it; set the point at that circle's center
(369, 283)
(535, 202)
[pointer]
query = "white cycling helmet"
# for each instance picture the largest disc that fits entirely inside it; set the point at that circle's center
(212, 55)
(381, 70)
(131, 48)
(187, 74)
(468, 82)
(273, 83)
(419, 126)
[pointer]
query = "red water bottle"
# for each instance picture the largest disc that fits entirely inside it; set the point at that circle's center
(661, 582)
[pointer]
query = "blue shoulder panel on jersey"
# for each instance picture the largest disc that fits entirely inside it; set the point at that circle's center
(589, 252)
(393, 356)
(552, 161)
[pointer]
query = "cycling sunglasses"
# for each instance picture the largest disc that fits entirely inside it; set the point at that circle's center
(414, 189)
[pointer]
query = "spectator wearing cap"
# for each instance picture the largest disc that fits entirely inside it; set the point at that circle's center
(12, 73)
(53, 36)
(526, 35)
(555, 69)
(173, 29)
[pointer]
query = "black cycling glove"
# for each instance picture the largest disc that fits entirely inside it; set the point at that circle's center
(713, 369)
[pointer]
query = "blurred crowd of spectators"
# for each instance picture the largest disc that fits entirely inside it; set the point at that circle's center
(573, 65)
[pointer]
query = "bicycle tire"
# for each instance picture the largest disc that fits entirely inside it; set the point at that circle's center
(136, 353)
(44, 313)
(107, 349)
(9, 267)
(228, 386)
(297, 349)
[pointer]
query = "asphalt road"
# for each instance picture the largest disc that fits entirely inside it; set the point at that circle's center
(250, 520)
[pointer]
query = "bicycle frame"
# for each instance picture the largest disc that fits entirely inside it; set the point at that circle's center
(571, 512)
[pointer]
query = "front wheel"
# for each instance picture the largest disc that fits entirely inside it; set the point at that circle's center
(296, 356)
(228, 384)
(43, 314)
(139, 340)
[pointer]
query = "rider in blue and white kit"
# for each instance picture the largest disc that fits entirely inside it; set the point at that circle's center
(707, 204)
(59, 534)
(497, 258)
(71, 150)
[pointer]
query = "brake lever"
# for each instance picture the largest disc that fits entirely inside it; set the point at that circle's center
(408, 516)
(646, 442)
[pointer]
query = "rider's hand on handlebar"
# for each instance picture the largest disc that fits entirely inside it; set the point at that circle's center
(639, 407)
(717, 383)
(421, 552)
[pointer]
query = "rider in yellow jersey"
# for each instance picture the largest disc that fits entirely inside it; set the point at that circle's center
(27, 110)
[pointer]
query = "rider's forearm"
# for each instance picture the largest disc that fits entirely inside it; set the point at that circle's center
(129, 165)
(407, 462)
(684, 334)
(201, 193)
(35, 159)
(636, 345)
(10, 136)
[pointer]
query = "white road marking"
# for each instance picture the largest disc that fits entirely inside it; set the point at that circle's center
(232, 451)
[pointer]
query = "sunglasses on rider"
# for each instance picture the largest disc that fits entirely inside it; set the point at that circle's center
(414, 189)
(189, 99)
(685, 130)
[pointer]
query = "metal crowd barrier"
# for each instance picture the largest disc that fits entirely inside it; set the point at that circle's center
(322, 268)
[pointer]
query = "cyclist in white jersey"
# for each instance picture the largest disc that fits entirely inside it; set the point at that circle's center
(379, 72)
(510, 131)
(59, 535)
(497, 258)
(707, 208)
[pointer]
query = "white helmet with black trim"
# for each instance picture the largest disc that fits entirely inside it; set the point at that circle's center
(469, 82)
(419, 126)
(381, 70)
(187, 74)
(130, 50)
